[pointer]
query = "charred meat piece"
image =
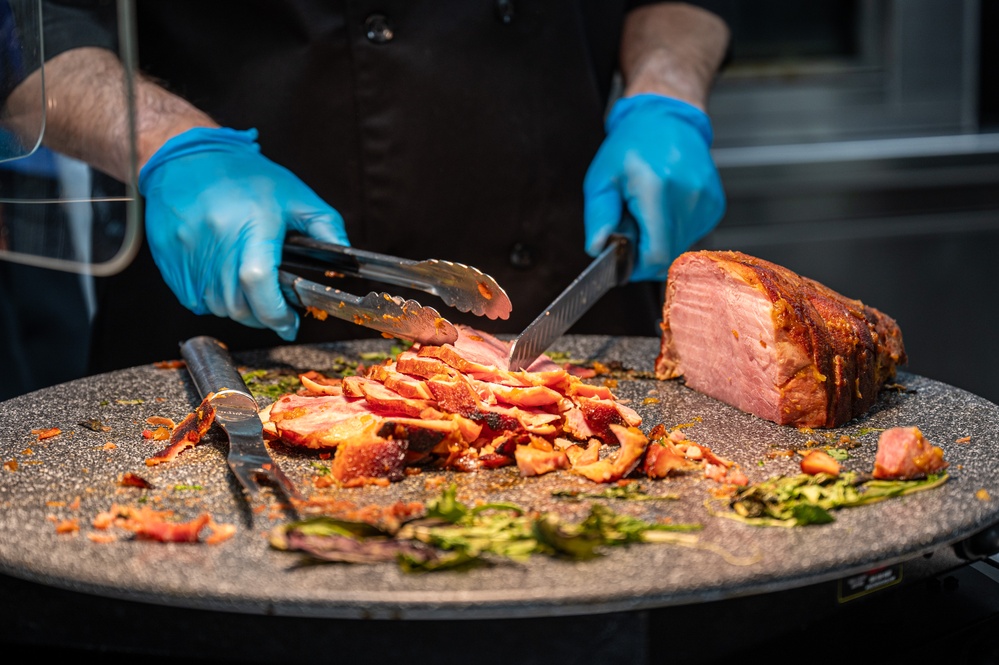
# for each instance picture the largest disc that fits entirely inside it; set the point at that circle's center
(772, 343)
(905, 454)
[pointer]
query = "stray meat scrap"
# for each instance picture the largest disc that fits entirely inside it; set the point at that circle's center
(904, 454)
(188, 433)
(772, 343)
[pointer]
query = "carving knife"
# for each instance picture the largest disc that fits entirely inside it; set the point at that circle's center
(611, 268)
(236, 411)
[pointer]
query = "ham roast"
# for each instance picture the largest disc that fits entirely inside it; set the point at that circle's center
(770, 342)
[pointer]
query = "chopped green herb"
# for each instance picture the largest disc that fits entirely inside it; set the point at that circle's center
(805, 499)
(838, 454)
(187, 488)
(343, 367)
(270, 384)
(321, 469)
(453, 535)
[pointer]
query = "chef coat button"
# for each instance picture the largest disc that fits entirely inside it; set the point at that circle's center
(521, 256)
(377, 29)
(504, 11)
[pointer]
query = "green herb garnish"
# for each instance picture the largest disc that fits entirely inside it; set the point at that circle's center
(454, 535)
(343, 367)
(804, 499)
(270, 384)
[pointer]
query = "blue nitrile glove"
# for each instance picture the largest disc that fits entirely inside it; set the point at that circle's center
(216, 216)
(655, 159)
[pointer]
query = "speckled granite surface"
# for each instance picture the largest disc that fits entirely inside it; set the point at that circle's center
(244, 575)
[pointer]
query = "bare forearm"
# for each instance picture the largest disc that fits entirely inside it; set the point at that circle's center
(86, 111)
(672, 49)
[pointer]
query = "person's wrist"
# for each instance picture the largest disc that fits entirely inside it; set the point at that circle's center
(198, 140)
(648, 104)
(150, 141)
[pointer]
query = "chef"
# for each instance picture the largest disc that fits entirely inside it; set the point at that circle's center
(479, 132)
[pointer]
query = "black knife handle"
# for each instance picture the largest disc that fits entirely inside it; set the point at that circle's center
(211, 366)
(626, 237)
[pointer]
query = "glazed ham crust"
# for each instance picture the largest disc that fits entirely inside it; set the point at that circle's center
(770, 342)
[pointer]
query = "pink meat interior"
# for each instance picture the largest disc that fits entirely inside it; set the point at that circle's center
(724, 335)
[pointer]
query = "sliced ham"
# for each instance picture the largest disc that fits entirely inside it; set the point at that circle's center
(370, 457)
(610, 469)
(765, 340)
(539, 457)
(456, 406)
(663, 459)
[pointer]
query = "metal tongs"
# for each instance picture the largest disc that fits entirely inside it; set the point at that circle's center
(463, 287)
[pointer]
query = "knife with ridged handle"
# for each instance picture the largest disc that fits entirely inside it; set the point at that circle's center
(236, 412)
(611, 268)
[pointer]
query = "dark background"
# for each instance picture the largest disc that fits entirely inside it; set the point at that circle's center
(857, 144)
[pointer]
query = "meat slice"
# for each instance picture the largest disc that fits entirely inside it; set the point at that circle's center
(770, 342)
(904, 454)
(539, 457)
(363, 459)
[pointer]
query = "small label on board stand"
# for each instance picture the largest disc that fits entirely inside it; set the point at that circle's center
(862, 584)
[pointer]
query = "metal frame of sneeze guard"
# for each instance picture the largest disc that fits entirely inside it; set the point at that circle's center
(67, 197)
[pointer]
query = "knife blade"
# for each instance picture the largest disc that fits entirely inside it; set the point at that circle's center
(236, 412)
(611, 268)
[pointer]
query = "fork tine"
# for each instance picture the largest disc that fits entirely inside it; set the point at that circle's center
(249, 470)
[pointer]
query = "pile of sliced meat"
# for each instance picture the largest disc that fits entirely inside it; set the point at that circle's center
(770, 342)
(457, 406)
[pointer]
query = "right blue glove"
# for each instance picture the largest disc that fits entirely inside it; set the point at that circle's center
(656, 161)
(216, 216)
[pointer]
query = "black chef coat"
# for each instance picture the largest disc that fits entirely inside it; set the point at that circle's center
(451, 130)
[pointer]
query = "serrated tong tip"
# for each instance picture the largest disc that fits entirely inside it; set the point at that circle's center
(463, 287)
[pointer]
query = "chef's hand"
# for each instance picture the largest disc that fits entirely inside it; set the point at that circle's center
(656, 160)
(216, 216)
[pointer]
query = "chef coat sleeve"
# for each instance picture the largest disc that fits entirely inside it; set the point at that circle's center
(69, 24)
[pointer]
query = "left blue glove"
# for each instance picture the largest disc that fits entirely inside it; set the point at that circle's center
(216, 216)
(656, 159)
